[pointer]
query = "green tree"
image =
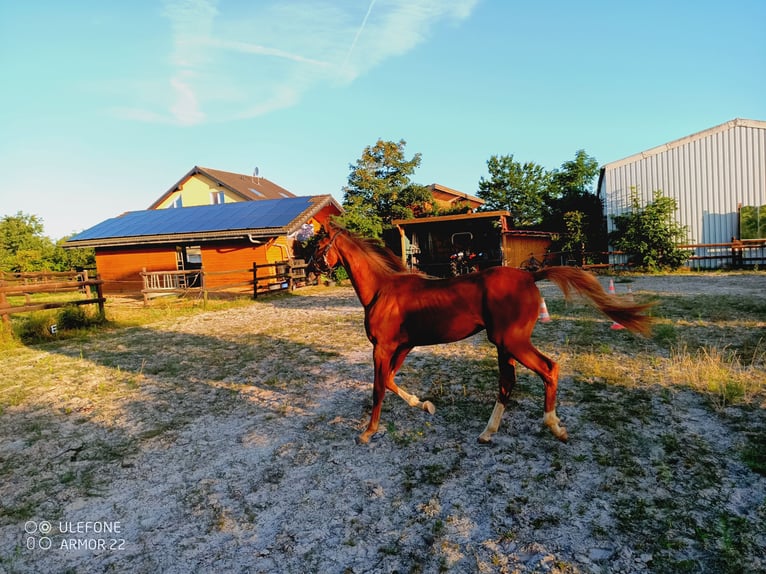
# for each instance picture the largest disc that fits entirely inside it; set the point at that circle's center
(576, 176)
(575, 238)
(523, 189)
(22, 244)
(572, 191)
(24, 247)
(651, 234)
(380, 189)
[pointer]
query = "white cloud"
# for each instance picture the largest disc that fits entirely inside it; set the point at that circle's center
(232, 62)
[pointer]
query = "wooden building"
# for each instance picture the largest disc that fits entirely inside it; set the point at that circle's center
(206, 186)
(433, 244)
(230, 236)
(446, 198)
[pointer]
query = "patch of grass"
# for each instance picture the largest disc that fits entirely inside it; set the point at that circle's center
(717, 373)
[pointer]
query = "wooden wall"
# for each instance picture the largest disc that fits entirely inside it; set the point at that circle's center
(517, 248)
(120, 268)
(230, 257)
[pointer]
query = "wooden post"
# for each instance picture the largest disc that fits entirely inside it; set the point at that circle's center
(146, 285)
(100, 295)
(85, 280)
(203, 286)
(255, 280)
(3, 303)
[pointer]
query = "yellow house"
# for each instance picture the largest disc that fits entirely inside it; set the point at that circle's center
(205, 186)
(217, 222)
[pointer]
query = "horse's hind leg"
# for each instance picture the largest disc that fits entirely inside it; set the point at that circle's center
(526, 354)
(507, 367)
(548, 370)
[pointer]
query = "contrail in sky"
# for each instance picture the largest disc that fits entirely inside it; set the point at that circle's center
(358, 33)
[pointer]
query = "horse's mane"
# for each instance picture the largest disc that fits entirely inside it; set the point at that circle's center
(380, 254)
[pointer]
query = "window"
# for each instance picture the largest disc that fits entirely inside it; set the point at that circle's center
(194, 254)
(217, 197)
(177, 202)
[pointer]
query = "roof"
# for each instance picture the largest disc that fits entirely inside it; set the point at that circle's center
(265, 218)
(248, 187)
(442, 218)
(447, 193)
(737, 122)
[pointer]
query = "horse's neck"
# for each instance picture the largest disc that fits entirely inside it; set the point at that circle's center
(365, 276)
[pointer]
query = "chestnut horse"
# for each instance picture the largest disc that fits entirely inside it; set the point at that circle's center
(404, 309)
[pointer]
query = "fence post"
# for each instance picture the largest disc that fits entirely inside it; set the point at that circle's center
(3, 303)
(203, 286)
(145, 290)
(85, 280)
(99, 294)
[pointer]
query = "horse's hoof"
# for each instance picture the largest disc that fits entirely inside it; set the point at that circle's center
(363, 438)
(366, 438)
(429, 406)
(484, 439)
(562, 435)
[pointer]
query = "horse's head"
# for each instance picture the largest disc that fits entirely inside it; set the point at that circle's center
(326, 254)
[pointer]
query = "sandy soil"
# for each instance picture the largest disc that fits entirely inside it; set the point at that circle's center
(224, 442)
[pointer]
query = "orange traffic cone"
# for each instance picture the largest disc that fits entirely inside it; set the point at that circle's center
(544, 317)
(615, 325)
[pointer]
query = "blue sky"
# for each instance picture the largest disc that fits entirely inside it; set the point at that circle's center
(105, 105)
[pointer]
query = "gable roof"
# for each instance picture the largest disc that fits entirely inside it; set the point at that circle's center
(447, 194)
(246, 219)
(737, 122)
(248, 187)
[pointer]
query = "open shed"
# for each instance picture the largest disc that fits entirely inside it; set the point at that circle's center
(435, 245)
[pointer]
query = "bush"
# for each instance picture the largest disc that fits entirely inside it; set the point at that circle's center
(36, 327)
(73, 317)
(651, 234)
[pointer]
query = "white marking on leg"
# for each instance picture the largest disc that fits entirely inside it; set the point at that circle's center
(493, 423)
(552, 422)
(414, 401)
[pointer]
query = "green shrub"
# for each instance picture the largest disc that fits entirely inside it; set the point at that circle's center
(73, 317)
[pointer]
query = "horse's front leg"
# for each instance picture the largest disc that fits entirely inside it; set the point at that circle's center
(382, 364)
(386, 365)
(410, 399)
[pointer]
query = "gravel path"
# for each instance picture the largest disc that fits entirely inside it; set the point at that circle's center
(224, 442)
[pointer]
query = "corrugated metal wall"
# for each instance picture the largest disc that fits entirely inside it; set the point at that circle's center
(708, 174)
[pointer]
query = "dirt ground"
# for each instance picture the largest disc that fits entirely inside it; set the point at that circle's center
(225, 442)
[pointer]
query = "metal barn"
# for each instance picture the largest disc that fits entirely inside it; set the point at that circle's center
(711, 174)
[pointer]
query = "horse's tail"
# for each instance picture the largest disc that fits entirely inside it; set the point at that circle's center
(629, 315)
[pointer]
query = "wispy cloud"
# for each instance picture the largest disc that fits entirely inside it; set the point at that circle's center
(358, 33)
(240, 61)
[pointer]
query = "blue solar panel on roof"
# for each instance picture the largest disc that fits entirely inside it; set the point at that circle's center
(246, 215)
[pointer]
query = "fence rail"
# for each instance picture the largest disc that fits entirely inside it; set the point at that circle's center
(27, 284)
(747, 253)
(284, 275)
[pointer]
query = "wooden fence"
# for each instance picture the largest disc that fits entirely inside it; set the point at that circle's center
(26, 284)
(279, 276)
(742, 254)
